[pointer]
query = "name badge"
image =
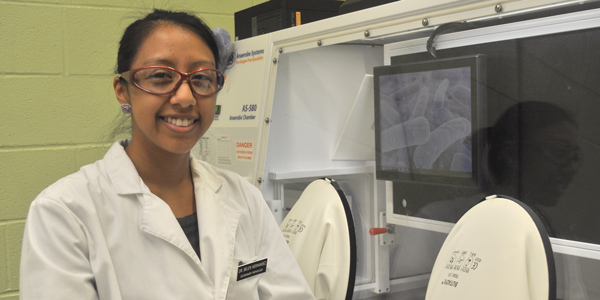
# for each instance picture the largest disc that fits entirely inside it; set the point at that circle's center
(251, 269)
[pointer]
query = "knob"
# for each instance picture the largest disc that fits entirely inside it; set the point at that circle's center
(376, 231)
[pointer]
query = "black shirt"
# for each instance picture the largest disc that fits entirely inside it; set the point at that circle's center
(189, 224)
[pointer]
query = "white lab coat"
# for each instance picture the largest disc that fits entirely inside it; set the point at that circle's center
(101, 234)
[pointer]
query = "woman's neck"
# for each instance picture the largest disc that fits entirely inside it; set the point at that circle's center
(159, 167)
(167, 175)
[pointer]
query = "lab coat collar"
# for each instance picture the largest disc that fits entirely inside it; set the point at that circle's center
(121, 170)
(201, 173)
(126, 179)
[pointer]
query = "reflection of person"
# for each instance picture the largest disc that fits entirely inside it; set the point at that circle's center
(531, 154)
(148, 221)
(535, 164)
(538, 161)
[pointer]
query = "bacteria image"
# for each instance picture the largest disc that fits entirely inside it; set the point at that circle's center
(426, 120)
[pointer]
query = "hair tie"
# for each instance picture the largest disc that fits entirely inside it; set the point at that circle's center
(223, 40)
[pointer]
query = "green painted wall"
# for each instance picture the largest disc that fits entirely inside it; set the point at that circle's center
(56, 67)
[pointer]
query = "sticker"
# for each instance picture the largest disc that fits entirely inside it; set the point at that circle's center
(224, 150)
(251, 269)
(217, 112)
(292, 228)
(247, 112)
(250, 56)
(460, 264)
(203, 151)
(244, 151)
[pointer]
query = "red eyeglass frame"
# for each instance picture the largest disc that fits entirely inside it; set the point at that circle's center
(127, 75)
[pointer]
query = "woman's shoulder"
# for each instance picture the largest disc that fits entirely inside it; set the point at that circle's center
(103, 175)
(92, 181)
(76, 186)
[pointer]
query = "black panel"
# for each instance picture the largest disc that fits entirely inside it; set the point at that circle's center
(279, 14)
(543, 142)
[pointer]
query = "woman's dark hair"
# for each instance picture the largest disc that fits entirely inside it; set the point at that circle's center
(138, 31)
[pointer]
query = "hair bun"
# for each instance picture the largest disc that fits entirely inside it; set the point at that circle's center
(223, 40)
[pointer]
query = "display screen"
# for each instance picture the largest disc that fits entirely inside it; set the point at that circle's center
(425, 116)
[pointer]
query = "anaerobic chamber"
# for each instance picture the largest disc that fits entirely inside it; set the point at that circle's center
(366, 99)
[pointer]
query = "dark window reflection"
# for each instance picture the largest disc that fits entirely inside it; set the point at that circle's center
(542, 139)
(533, 155)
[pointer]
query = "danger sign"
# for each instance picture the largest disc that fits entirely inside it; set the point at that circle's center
(244, 151)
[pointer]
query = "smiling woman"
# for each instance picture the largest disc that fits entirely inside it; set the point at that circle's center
(174, 47)
(97, 234)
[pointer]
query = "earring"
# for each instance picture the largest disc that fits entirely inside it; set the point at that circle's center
(126, 108)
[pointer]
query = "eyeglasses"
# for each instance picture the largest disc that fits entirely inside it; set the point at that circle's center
(165, 80)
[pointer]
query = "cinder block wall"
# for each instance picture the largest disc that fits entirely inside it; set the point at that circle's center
(56, 67)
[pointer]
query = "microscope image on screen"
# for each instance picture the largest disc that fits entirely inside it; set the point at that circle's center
(437, 114)
(425, 119)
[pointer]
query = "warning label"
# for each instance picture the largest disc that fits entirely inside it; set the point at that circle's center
(460, 263)
(244, 151)
(463, 261)
(292, 228)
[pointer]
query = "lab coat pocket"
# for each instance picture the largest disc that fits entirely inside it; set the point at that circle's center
(242, 283)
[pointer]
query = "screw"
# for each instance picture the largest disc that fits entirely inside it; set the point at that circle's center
(319, 43)
(267, 120)
(274, 60)
(280, 50)
(425, 22)
(259, 179)
(498, 8)
(367, 33)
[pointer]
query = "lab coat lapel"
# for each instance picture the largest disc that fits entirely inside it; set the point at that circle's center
(218, 224)
(158, 220)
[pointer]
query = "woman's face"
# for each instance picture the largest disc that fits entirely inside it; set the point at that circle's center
(550, 161)
(154, 116)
